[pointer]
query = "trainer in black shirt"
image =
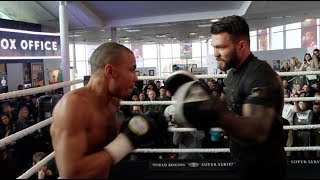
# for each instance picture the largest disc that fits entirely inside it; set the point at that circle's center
(254, 94)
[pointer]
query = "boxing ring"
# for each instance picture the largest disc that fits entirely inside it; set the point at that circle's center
(167, 168)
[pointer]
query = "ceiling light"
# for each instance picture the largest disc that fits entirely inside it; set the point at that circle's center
(214, 20)
(161, 35)
(80, 32)
(102, 30)
(200, 37)
(192, 33)
(109, 39)
(276, 17)
(308, 19)
(164, 25)
(126, 41)
(132, 30)
(204, 25)
(74, 35)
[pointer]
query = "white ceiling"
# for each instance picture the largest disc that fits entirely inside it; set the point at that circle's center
(171, 18)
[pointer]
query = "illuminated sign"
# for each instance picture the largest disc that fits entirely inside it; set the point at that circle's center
(21, 44)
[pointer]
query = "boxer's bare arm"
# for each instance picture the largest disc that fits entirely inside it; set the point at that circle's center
(69, 136)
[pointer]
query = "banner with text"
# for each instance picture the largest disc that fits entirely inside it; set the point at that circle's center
(18, 44)
(185, 165)
(217, 164)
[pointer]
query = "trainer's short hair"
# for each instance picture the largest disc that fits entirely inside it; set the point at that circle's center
(234, 25)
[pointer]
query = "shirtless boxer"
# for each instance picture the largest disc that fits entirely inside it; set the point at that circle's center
(84, 128)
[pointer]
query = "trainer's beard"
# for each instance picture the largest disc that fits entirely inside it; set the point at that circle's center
(225, 65)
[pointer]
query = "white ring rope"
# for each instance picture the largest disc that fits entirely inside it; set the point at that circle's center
(290, 127)
(215, 150)
(36, 90)
(298, 73)
(298, 127)
(37, 167)
(182, 150)
(302, 99)
(130, 103)
(147, 102)
(69, 83)
(20, 134)
(207, 76)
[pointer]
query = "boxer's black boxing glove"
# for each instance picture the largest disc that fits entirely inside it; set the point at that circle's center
(138, 130)
(196, 108)
(176, 79)
(159, 130)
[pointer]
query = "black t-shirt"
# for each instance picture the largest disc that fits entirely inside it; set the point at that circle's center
(255, 82)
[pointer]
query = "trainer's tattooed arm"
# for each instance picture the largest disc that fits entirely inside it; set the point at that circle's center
(256, 120)
(261, 117)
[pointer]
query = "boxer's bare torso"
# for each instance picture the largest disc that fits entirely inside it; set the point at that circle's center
(82, 125)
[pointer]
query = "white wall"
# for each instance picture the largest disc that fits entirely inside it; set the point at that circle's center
(284, 54)
(72, 77)
(52, 64)
(144, 71)
(15, 75)
(212, 64)
(48, 65)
